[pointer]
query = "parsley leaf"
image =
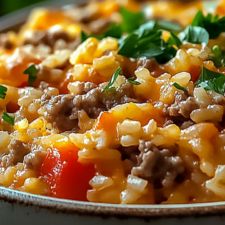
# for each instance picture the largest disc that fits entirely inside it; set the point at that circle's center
(212, 23)
(132, 80)
(174, 40)
(179, 87)
(131, 20)
(211, 80)
(114, 30)
(3, 91)
(194, 34)
(113, 79)
(31, 71)
(218, 56)
(168, 25)
(84, 36)
(8, 119)
(147, 42)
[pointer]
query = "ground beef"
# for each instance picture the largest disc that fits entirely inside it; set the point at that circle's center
(17, 151)
(5, 42)
(84, 87)
(129, 153)
(161, 167)
(58, 111)
(182, 106)
(52, 38)
(62, 110)
(98, 26)
(34, 159)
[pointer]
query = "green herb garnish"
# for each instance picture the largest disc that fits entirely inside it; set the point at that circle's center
(179, 87)
(84, 36)
(210, 80)
(194, 34)
(147, 42)
(113, 79)
(218, 56)
(174, 40)
(212, 23)
(8, 119)
(31, 71)
(3, 91)
(131, 20)
(168, 25)
(132, 80)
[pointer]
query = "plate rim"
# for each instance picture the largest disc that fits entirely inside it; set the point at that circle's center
(88, 208)
(106, 209)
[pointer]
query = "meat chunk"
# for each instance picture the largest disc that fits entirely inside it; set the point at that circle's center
(182, 106)
(129, 153)
(58, 111)
(17, 151)
(62, 110)
(34, 159)
(50, 38)
(6, 42)
(161, 167)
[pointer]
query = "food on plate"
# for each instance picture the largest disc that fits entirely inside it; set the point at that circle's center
(116, 102)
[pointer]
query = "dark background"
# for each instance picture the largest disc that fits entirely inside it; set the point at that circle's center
(7, 6)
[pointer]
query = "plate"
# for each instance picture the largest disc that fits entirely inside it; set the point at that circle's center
(22, 208)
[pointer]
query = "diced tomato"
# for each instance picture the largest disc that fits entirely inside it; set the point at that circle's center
(66, 177)
(195, 72)
(12, 107)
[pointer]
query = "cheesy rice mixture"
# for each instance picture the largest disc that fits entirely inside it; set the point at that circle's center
(116, 102)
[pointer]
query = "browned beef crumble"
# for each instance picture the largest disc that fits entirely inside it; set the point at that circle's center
(62, 110)
(5, 42)
(34, 159)
(129, 153)
(161, 167)
(17, 151)
(51, 38)
(182, 106)
(85, 87)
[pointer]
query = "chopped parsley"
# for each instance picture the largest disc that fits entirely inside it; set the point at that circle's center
(3, 91)
(8, 119)
(109, 86)
(218, 56)
(113, 79)
(179, 87)
(210, 80)
(132, 80)
(147, 42)
(31, 71)
(213, 24)
(194, 34)
(131, 20)
(174, 40)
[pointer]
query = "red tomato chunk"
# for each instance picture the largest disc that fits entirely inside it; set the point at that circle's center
(67, 177)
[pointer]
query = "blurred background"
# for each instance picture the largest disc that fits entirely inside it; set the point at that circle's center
(7, 6)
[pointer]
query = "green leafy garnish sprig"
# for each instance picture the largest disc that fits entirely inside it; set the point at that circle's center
(8, 118)
(31, 71)
(213, 24)
(210, 80)
(218, 56)
(113, 80)
(179, 87)
(109, 86)
(195, 34)
(3, 91)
